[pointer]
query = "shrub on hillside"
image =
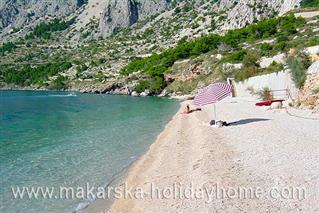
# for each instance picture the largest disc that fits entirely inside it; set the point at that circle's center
(28, 75)
(251, 59)
(309, 3)
(158, 64)
(266, 49)
(177, 10)
(246, 73)
(157, 85)
(44, 30)
(265, 94)
(236, 56)
(142, 86)
(298, 71)
(59, 83)
(154, 85)
(274, 67)
(7, 47)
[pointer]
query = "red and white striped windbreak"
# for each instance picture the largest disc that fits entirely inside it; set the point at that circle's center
(213, 93)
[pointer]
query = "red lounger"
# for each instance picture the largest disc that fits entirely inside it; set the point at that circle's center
(268, 103)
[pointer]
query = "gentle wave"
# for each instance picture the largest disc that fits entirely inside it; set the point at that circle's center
(39, 96)
(116, 177)
(91, 125)
(69, 95)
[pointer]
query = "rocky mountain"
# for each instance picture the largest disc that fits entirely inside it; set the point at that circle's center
(123, 13)
(15, 14)
(114, 15)
(243, 12)
(237, 13)
(121, 46)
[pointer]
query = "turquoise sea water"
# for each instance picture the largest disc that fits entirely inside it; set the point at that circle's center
(56, 139)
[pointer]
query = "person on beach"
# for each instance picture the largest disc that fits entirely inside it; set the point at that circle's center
(188, 110)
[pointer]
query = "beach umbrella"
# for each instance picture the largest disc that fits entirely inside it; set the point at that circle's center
(213, 94)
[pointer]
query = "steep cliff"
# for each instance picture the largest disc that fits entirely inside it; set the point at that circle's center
(243, 12)
(91, 63)
(116, 14)
(123, 13)
(17, 13)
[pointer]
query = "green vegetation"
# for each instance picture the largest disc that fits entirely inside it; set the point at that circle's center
(157, 85)
(298, 70)
(265, 94)
(142, 86)
(98, 61)
(272, 49)
(33, 75)
(81, 2)
(315, 91)
(230, 45)
(7, 47)
(44, 30)
(236, 56)
(246, 72)
(177, 10)
(309, 3)
(59, 83)
(158, 64)
(251, 67)
(154, 85)
(187, 7)
(274, 67)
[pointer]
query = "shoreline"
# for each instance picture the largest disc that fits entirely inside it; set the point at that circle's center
(188, 150)
(101, 206)
(161, 116)
(175, 97)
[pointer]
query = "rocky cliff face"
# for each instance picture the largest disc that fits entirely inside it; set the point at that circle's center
(117, 14)
(123, 13)
(243, 12)
(17, 13)
(237, 13)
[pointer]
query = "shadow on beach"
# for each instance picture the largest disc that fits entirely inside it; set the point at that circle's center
(247, 121)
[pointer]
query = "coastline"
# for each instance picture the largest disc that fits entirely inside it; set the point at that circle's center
(173, 97)
(98, 206)
(97, 136)
(189, 151)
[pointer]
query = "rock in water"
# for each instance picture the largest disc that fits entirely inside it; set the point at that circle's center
(145, 93)
(135, 94)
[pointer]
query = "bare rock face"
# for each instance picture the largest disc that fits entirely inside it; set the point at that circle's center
(123, 13)
(309, 95)
(117, 14)
(16, 14)
(243, 12)
(238, 13)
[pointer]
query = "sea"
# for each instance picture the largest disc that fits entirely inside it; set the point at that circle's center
(51, 140)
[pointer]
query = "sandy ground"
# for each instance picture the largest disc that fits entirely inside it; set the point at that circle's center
(265, 162)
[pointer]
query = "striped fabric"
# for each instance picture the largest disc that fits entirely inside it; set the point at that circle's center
(213, 93)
